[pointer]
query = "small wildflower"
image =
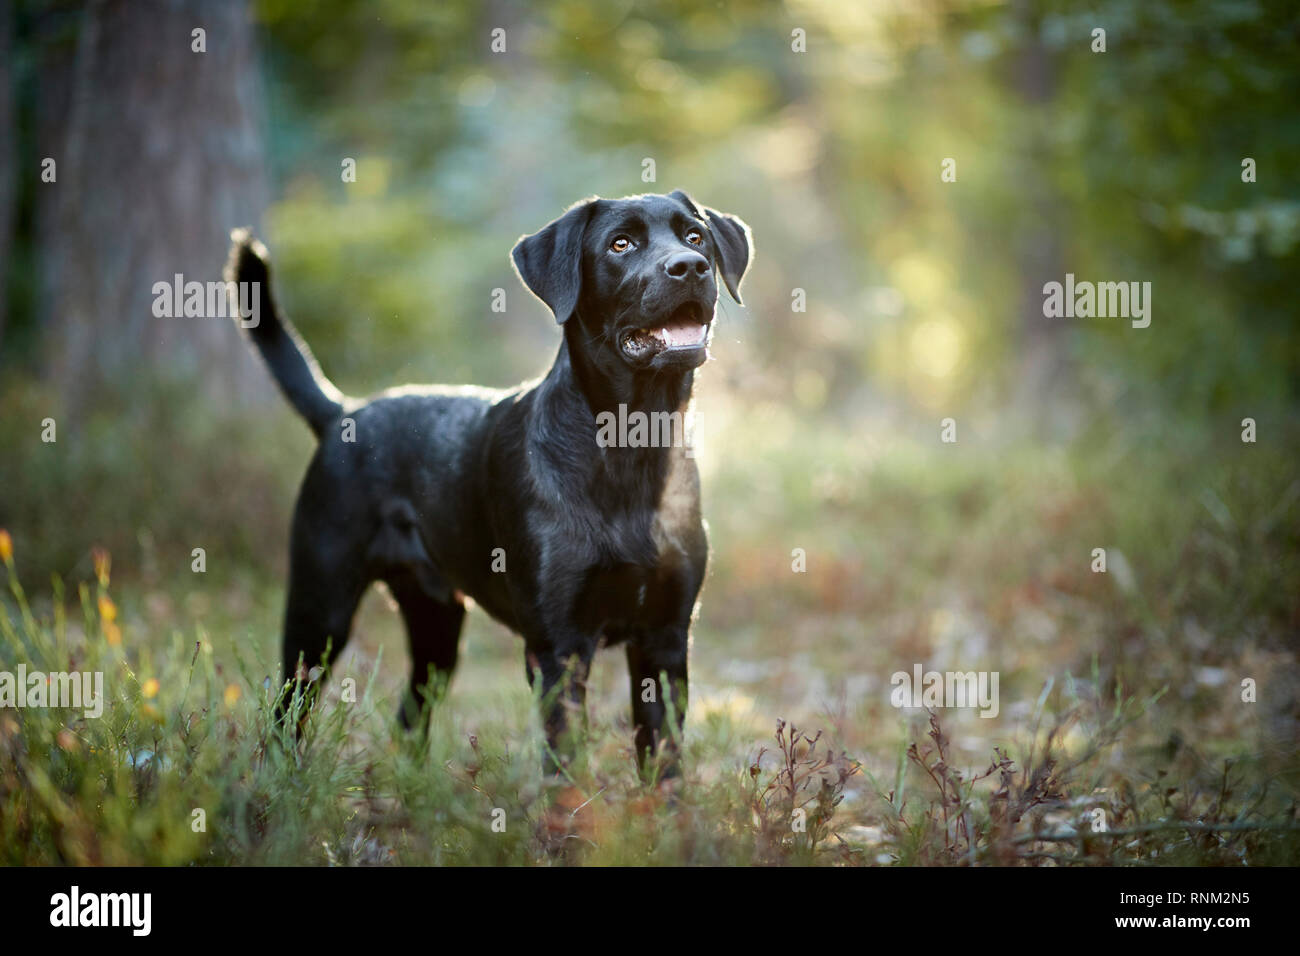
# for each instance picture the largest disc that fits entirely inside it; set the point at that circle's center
(150, 688)
(107, 609)
(112, 634)
(103, 563)
(231, 694)
(6, 546)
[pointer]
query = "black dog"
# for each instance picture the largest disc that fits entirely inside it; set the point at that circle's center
(510, 497)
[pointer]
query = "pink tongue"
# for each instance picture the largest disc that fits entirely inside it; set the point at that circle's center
(680, 333)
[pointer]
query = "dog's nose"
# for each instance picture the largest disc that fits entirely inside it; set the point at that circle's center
(685, 265)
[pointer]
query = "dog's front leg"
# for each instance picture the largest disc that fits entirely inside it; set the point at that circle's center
(562, 667)
(656, 666)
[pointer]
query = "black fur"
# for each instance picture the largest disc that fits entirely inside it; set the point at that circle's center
(601, 544)
(295, 368)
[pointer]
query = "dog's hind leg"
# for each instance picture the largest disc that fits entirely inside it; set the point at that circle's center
(323, 598)
(433, 617)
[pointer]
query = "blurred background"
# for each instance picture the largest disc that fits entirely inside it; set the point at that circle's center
(824, 125)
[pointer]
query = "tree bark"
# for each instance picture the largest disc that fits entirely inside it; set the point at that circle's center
(8, 159)
(1045, 373)
(160, 157)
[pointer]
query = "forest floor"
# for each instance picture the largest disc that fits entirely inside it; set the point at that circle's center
(1147, 714)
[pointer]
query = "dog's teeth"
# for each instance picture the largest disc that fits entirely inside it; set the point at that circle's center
(670, 335)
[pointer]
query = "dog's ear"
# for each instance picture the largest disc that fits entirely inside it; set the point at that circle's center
(549, 262)
(732, 239)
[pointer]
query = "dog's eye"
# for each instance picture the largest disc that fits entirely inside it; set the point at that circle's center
(695, 237)
(620, 244)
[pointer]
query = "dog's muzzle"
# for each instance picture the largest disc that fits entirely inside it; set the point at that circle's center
(685, 334)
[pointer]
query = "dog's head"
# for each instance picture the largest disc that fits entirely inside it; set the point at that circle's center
(638, 274)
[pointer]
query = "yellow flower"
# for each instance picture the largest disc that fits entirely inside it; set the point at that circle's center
(6, 546)
(231, 695)
(112, 634)
(107, 609)
(150, 687)
(150, 711)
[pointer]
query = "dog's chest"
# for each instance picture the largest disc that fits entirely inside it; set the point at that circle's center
(647, 575)
(623, 547)
(627, 597)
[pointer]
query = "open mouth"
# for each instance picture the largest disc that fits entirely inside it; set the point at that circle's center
(686, 330)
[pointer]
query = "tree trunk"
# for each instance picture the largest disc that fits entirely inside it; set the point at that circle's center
(1045, 375)
(160, 157)
(8, 157)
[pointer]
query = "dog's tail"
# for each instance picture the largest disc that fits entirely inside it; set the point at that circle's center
(290, 360)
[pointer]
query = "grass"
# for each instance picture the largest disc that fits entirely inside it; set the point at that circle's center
(1123, 737)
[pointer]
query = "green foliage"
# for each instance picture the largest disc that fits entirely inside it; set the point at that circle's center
(150, 474)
